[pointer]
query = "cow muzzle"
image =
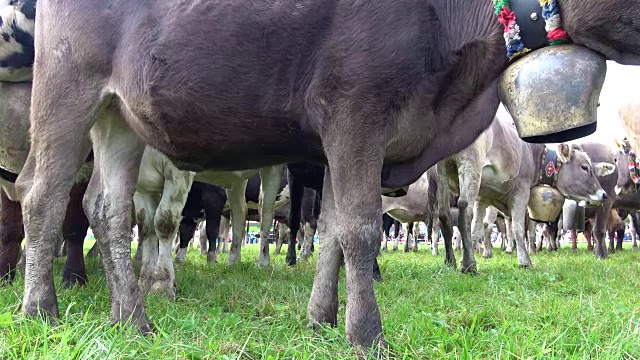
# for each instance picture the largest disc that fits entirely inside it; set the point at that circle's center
(597, 198)
(552, 93)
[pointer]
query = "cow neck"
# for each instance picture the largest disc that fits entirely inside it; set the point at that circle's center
(530, 25)
(549, 167)
(632, 163)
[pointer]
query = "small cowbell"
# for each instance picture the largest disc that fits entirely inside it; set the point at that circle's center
(552, 93)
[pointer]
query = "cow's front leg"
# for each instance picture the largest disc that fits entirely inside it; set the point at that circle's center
(271, 177)
(518, 210)
(323, 304)
(166, 222)
(238, 205)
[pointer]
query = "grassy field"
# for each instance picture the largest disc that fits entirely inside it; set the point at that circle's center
(569, 306)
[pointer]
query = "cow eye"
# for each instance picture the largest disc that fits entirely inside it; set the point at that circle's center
(585, 168)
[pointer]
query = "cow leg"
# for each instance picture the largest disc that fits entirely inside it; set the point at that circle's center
(223, 235)
(477, 221)
(518, 210)
(11, 235)
(530, 235)
(355, 192)
(574, 239)
(415, 239)
(238, 204)
(118, 154)
(271, 178)
(283, 233)
(95, 251)
(59, 146)
(433, 240)
(409, 236)
(186, 231)
(309, 233)
(611, 234)
(444, 216)
(202, 239)
(146, 205)
(509, 236)
(166, 222)
(323, 303)
(74, 230)
(469, 187)
(396, 235)
(213, 214)
(543, 236)
(620, 239)
(296, 193)
(59, 248)
(600, 228)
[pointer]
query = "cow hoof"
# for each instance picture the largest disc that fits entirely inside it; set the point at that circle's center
(233, 259)
(144, 283)
(212, 258)
(263, 263)
(72, 279)
(291, 261)
(138, 320)
(468, 268)
(181, 256)
(45, 306)
(317, 319)
(377, 278)
(602, 256)
(635, 247)
(487, 255)
(163, 287)
(528, 265)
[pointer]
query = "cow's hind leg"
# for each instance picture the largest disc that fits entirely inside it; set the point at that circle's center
(118, 154)
(166, 221)
(271, 178)
(74, 231)
(186, 231)
(238, 204)
(61, 116)
(213, 213)
(11, 235)
(518, 220)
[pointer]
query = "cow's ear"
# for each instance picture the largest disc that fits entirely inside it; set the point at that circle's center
(564, 152)
(604, 168)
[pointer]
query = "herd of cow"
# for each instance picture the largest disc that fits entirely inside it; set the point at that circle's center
(113, 111)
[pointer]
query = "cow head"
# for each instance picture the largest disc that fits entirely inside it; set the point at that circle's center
(578, 177)
(610, 27)
(628, 181)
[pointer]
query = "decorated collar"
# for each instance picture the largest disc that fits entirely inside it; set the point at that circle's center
(534, 34)
(550, 168)
(631, 160)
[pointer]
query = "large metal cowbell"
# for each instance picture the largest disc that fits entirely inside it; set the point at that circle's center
(552, 93)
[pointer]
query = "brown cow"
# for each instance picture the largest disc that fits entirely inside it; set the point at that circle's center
(379, 90)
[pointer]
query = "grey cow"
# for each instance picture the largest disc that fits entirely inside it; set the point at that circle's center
(499, 170)
(378, 90)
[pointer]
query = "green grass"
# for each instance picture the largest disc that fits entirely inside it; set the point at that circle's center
(569, 306)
